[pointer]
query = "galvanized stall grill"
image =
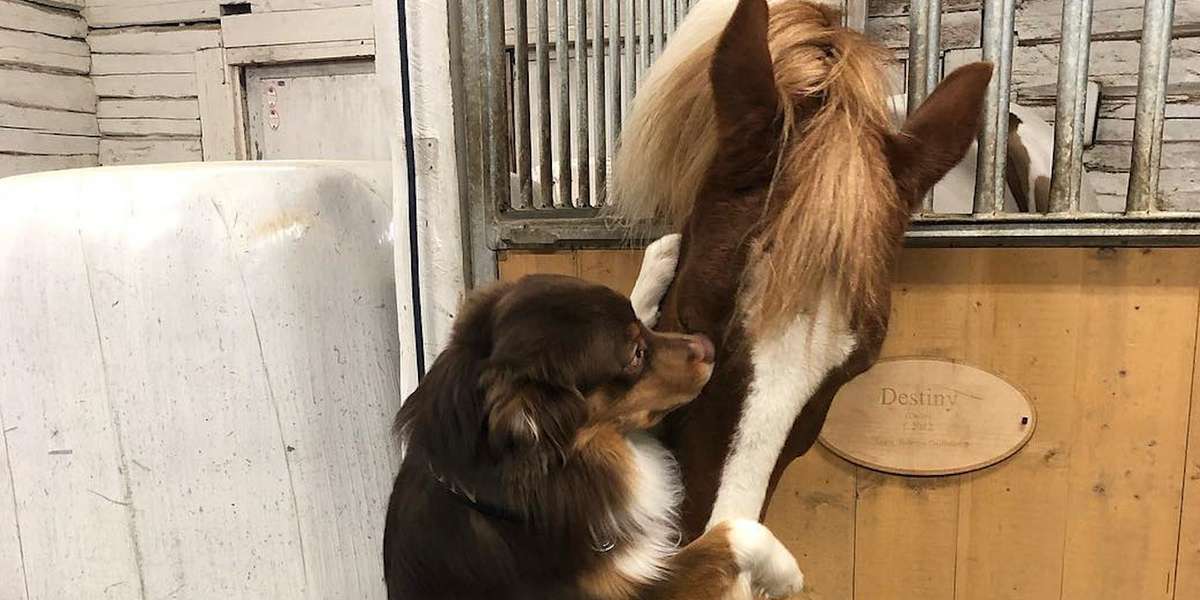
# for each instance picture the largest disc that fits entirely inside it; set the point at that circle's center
(538, 146)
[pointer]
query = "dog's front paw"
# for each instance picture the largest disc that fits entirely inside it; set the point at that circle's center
(772, 568)
(657, 274)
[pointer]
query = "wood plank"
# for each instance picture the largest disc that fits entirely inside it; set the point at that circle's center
(154, 40)
(1025, 305)
(315, 51)
(1187, 565)
(1133, 384)
(141, 151)
(813, 514)
(901, 525)
(142, 64)
(1113, 157)
(75, 5)
(20, 164)
(959, 30)
(298, 27)
(1113, 63)
(152, 13)
(1174, 130)
(176, 85)
(49, 121)
(24, 141)
(44, 52)
(157, 108)
(218, 105)
(149, 127)
(260, 6)
(515, 265)
(25, 16)
(46, 90)
(618, 269)
(894, 8)
(1040, 21)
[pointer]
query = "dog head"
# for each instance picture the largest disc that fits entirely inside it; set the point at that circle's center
(533, 365)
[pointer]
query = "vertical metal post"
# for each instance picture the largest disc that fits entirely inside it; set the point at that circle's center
(670, 15)
(1148, 120)
(646, 37)
(563, 58)
(1067, 176)
(521, 100)
(924, 52)
(496, 115)
(600, 176)
(993, 138)
(545, 158)
(582, 122)
(630, 51)
(614, 66)
(660, 26)
(856, 14)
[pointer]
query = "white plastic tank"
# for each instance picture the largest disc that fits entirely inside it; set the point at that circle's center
(198, 372)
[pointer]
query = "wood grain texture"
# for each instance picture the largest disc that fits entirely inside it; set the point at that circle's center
(26, 16)
(155, 108)
(152, 12)
(173, 85)
(47, 120)
(37, 51)
(1187, 567)
(143, 151)
(149, 127)
(24, 141)
(217, 103)
(20, 164)
(141, 64)
(154, 40)
(298, 27)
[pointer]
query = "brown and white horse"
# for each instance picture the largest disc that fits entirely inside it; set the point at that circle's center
(764, 134)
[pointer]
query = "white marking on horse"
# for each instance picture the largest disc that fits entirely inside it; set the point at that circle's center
(787, 368)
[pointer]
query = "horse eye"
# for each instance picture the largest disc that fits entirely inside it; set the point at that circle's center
(635, 361)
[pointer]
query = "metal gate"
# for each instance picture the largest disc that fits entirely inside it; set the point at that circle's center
(541, 118)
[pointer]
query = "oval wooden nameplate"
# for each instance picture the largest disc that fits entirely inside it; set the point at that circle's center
(927, 417)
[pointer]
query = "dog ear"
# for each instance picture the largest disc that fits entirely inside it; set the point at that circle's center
(523, 414)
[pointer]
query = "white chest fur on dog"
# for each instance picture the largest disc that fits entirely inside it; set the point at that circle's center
(787, 369)
(657, 492)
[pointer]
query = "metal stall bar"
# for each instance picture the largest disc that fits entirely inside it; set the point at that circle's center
(856, 15)
(582, 122)
(599, 177)
(924, 51)
(563, 58)
(646, 37)
(521, 101)
(630, 55)
(496, 116)
(545, 157)
(660, 26)
(614, 65)
(1067, 177)
(993, 139)
(670, 16)
(1148, 120)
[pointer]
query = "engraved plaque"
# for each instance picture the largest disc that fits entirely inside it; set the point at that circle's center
(927, 417)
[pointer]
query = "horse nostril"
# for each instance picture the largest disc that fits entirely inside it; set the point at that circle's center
(700, 348)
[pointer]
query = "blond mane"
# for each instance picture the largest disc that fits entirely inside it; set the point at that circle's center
(833, 219)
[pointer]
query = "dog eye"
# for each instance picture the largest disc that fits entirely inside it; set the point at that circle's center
(635, 361)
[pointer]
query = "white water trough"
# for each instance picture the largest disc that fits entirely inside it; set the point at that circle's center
(198, 369)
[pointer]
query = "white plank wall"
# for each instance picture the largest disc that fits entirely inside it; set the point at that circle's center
(160, 67)
(47, 100)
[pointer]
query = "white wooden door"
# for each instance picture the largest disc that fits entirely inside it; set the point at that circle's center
(328, 110)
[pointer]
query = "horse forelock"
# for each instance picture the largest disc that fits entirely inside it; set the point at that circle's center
(833, 216)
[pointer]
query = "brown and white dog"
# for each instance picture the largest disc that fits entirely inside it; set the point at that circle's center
(527, 473)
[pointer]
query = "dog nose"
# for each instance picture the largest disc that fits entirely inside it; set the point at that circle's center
(700, 348)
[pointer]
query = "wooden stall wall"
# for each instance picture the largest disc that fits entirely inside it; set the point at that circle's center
(1103, 503)
(47, 102)
(161, 67)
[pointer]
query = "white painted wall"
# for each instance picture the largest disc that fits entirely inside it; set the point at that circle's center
(47, 101)
(441, 275)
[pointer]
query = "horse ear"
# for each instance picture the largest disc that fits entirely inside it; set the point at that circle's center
(743, 81)
(936, 137)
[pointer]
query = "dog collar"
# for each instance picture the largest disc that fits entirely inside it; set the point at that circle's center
(468, 499)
